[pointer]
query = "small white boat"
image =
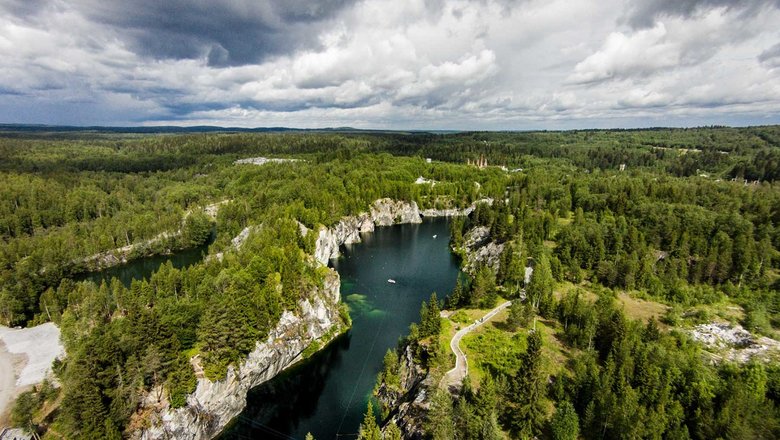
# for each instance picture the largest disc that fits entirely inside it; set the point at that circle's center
(435, 235)
(391, 281)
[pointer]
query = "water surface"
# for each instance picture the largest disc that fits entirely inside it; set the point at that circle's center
(144, 267)
(327, 394)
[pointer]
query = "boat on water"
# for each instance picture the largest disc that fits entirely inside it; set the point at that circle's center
(391, 281)
(435, 235)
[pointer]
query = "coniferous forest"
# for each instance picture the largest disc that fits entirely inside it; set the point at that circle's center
(634, 236)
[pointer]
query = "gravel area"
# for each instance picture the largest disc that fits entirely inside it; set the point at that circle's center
(25, 358)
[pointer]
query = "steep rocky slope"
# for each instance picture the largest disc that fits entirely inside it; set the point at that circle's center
(213, 404)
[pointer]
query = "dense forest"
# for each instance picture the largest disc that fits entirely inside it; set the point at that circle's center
(684, 217)
(572, 358)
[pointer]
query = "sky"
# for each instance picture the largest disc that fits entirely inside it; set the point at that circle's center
(391, 64)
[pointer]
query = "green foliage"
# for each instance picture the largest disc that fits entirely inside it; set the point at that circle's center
(526, 416)
(460, 317)
(540, 289)
(498, 351)
(392, 432)
(657, 227)
(430, 320)
(25, 407)
(483, 289)
(578, 319)
(391, 370)
(439, 422)
(565, 423)
(181, 382)
(369, 430)
(520, 314)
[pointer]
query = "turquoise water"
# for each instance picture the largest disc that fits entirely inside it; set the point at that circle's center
(327, 394)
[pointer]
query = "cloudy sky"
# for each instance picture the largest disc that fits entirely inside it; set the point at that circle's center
(423, 64)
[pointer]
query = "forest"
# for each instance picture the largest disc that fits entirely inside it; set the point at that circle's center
(573, 358)
(684, 217)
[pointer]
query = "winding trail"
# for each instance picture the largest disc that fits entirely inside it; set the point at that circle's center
(454, 377)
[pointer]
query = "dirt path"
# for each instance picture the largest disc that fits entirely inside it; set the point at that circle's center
(454, 377)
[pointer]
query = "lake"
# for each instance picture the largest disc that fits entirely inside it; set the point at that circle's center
(143, 268)
(327, 394)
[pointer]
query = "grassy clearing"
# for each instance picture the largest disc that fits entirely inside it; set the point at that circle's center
(492, 348)
(555, 354)
(448, 330)
(640, 309)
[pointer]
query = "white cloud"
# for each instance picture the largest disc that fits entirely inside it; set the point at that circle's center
(405, 63)
(640, 53)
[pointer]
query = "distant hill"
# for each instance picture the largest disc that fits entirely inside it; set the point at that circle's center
(41, 128)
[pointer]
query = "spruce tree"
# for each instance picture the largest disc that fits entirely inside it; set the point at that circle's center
(540, 289)
(369, 430)
(565, 423)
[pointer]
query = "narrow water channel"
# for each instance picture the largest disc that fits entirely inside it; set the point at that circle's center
(327, 395)
(143, 268)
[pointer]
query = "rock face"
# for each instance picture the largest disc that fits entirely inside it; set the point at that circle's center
(480, 250)
(262, 160)
(407, 406)
(734, 343)
(346, 231)
(454, 212)
(214, 404)
(384, 212)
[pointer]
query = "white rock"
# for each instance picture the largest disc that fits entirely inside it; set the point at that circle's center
(213, 404)
(733, 343)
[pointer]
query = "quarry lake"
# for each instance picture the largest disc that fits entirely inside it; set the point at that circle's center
(143, 268)
(327, 394)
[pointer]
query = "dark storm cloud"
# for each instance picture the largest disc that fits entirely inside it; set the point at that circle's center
(771, 55)
(227, 32)
(388, 63)
(644, 13)
(22, 8)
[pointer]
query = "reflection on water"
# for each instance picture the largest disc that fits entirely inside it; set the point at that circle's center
(143, 268)
(327, 395)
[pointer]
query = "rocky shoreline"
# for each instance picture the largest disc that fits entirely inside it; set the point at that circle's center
(408, 406)
(215, 403)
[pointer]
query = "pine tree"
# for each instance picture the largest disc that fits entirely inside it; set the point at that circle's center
(540, 289)
(527, 415)
(455, 299)
(430, 319)
(369, 430)
(565, 423)
(392, 432)
(440, 424)
(520, 314)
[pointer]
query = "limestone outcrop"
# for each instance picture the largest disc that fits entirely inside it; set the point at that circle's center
(383, 212)
(215, 403)
(480, 250)
(407, 406)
